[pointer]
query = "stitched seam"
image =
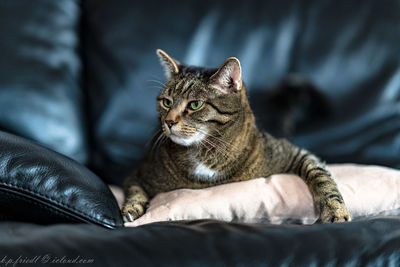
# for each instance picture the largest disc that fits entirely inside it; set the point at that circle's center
(57, 202)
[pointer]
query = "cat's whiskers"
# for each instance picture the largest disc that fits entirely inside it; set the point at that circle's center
(156, 87)
(226, 144)
(205, 146)
(157, 82)
(222, 142)
(155, 77)
(150, 143)
(160, 139)
(218, 148)
(188, 131)
(210, 148)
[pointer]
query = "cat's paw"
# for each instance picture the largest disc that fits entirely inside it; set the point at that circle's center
(335, 212)
(132, 211)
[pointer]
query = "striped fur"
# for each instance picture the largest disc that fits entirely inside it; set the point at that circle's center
(219, 143)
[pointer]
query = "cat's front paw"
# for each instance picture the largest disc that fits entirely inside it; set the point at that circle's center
(335, 212)
(131, 211)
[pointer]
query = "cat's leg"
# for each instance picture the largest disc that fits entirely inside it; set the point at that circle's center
(136, 201)
(324, 189)
(284, 157)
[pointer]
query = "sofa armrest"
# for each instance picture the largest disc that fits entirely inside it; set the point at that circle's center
(42, 186)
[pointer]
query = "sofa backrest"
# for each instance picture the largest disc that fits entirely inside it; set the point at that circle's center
(40, 93)
(81, 77)
(349, 50)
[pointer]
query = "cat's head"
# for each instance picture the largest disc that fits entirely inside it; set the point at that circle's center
(197, 103)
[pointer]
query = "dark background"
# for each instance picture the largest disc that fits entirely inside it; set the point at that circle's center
(81, 77)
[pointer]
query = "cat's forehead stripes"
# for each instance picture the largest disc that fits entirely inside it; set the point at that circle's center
(183, 86)
(186, 87)
(178, 85)
(190, 84)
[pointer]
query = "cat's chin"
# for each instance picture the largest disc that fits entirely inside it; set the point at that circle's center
(187, 141)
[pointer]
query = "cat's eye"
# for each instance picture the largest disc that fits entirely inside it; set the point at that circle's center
(167, 103)
(194, 105)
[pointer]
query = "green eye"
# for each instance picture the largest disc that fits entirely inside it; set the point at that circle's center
(167, 103)
(195, 104)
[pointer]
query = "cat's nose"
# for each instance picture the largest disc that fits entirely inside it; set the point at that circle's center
(170, 123)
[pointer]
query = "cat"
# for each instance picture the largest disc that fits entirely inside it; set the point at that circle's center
(208, 137)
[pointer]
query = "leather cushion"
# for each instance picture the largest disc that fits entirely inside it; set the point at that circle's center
(40, 94)
(42, 186)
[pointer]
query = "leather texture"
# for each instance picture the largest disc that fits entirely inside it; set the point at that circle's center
(347, 49)
(42, 186)
(209, 243)
(40, 93)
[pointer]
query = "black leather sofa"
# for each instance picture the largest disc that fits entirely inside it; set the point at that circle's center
(78, 81)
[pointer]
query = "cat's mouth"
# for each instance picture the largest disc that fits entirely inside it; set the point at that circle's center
(179, 139)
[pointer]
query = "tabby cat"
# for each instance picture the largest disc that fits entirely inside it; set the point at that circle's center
(209, 137)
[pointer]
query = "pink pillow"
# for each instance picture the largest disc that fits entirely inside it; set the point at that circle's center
(367, 191)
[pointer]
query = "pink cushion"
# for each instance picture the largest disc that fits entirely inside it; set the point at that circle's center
(367, 191)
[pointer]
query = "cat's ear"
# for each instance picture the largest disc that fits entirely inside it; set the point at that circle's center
(171, 66)
(228, 77)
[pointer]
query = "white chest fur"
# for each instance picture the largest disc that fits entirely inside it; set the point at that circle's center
(203, 172)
